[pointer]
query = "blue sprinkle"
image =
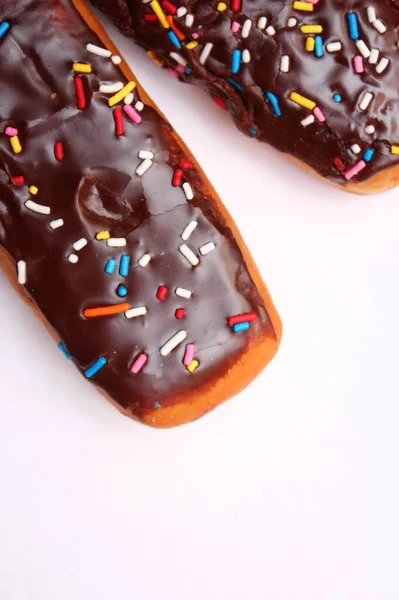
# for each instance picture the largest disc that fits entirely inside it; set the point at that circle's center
(4, 27)
(274, 102)
(157, 405)
(353, 26)
(318, 46)
(252, 131)
(237, 327)
(235, 84)
(110, 266)
(64, 351)
(236, 61)
(337, 98)
(121, 291)
(124, 265)
(174, 39)
(96, 367)
(188, 70)
(368, 154)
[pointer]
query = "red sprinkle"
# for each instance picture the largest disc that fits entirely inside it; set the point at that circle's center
(161, 293)
(180, 312)
(241, 318)
(185, 164)
(18, 180)
(58, 150)
(177, 175)
(80, 93)
(339, 164)
(235, 5)
(149, 17)
(118, 118)
(169, 7)
(219, 102)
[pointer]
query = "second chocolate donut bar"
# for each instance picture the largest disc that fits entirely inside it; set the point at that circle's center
(316, 79)
(112, 230)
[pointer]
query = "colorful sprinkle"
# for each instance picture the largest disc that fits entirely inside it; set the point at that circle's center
(95, 368)
(139, 363)
(105, 311)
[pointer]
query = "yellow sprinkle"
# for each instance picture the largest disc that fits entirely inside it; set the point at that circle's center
(222, 6)
(15, 144)
(129, 87)
(191, 45)
(81, 68)
(395, 149)
(103, 235)
(192, 366)
(33, 190)
(311, 28)
(310, 44)
(302, 100)
(160, 14)
(158, 61)
(306, 6)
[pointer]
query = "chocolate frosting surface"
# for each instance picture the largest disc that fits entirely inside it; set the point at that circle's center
(95, 188)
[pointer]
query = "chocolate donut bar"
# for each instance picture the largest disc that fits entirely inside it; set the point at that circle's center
(111, 231)
(318, 79)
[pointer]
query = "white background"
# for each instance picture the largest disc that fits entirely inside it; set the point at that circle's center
(287, 492)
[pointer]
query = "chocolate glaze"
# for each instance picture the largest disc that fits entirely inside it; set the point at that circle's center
(95, 188)
(316, 78)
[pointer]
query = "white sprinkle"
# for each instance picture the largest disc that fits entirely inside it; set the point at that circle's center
(143, 167)
(139, 105)
(139, 311)
(187, 231)
(146, 154)
(187, 189)
(308, 121)
(189, 254)
(205, 53)
(73, 258)
(116, 242)
(370, 129)
(183, 293)
(262, 22)
(179, 59)
(173, 342)
(371, 14)
(129, 98)
(363, 49)
(246, 56)
(97, 50)
(21, 269)
(246, 28)
(57, 223)
(110, 88)
(144, 260)
(38, 208)
(270, 30)
(181, 11)
(374, 54)
(189, 20)
(285, 63)
(366, 98)
(79, 244)
(379, 26)
(207, 248)
(116, 59)
(356, 149)
(334, 47)
(382, 65)
(292, 21)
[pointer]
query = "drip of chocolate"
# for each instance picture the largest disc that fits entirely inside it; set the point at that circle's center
(262, 51)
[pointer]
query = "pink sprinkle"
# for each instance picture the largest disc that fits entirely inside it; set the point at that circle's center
(133, 114)
(355, 169)
(188, 355)
(318, 113)
(180, 68)
(173, 72)
(358, 64)
(11, 131)
(195, 36)
(235, 27)
(313, 1)
(139, 363)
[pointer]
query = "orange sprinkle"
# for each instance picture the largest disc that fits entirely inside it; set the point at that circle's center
(179, 34)
(103, 311)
